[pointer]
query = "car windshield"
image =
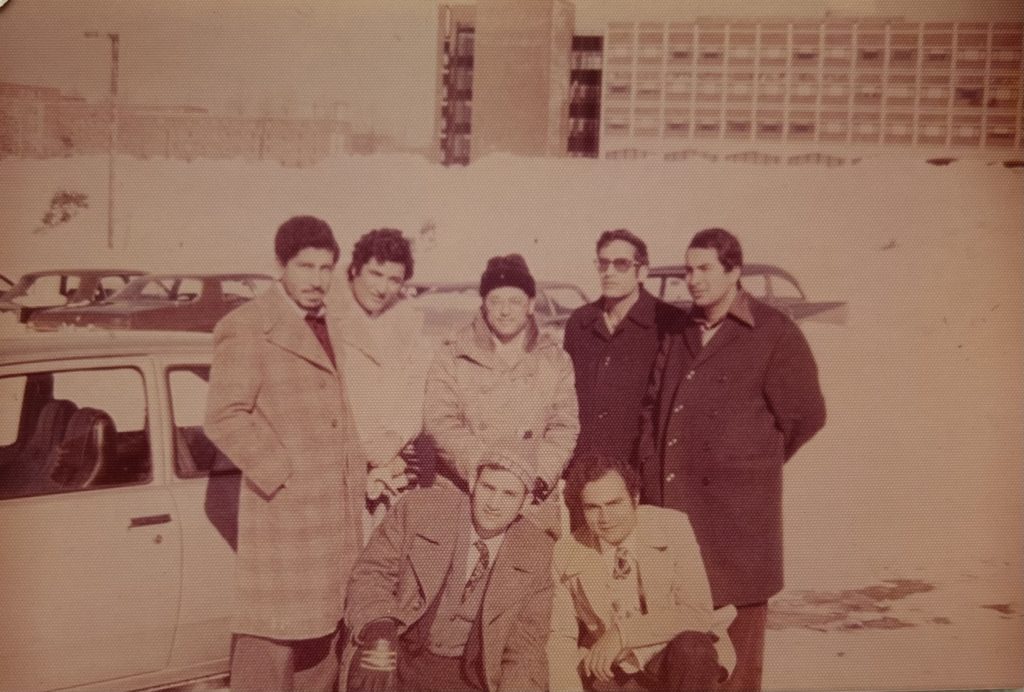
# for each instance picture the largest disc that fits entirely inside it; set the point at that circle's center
(449, 299)
(565, 299)
(43, 289)
(153, 289)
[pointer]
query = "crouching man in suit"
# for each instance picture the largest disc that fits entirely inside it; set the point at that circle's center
(632, 606)
(453, 592)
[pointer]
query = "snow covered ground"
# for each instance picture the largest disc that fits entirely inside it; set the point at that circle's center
(903, 516)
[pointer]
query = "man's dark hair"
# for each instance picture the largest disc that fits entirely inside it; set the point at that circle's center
(300, 232)
(383, 245)
(730, 254)
(639, 246)
(585, 468)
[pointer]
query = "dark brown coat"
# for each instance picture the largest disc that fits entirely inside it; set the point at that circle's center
(718, 424)
(613, 370)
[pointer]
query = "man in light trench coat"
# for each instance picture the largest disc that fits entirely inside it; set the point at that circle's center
(278, 409)
(499, 378)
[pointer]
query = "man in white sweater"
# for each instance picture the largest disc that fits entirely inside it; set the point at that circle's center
(384, 360)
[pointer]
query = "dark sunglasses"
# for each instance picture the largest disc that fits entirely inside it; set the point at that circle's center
(621, 264)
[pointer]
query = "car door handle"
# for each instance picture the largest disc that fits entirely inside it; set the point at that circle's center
(150, 520)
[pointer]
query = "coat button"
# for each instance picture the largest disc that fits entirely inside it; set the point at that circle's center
(705, 480)
(334, 423)
(607, 361)
(672, 442)
(677, 408)
(602, 415)
(670, 477)
(690, 374)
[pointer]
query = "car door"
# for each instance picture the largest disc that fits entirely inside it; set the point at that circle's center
(91, 554)
(205, 487)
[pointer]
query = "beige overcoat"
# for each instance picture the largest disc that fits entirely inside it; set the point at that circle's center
(277, 408)
(675, 588)
(474, 400)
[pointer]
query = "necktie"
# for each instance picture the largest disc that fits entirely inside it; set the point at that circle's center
(623, 567)
(479, 570)
(319, 326)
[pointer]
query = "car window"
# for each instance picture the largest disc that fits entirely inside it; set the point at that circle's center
(71, 284)
(12, 391)
(88, 430)
(755, 284)
(784, 288)
(109, 285)
(194, 454)
(243, 288)
(157, 289)
(468, 299)
(653, 285)
(565, 299)
(43, 290)
(675, 290)
(189, 289)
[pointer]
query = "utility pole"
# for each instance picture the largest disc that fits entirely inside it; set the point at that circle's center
(115, 40)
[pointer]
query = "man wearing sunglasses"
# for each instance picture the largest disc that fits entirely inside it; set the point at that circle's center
(613, 343)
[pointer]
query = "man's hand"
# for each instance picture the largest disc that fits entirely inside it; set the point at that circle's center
(375, 661)
(389, 479)
(604, 654)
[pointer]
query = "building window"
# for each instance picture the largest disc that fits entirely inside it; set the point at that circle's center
(968, 96)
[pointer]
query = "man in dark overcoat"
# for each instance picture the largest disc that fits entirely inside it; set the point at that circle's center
(613, 342)
(732, 398)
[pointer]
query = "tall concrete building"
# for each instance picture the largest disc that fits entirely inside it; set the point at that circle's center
(503, 78)
(585, 96)
(670, 87)
(453, 102)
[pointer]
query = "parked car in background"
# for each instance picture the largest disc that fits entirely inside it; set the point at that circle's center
(448, 306)
(179, 302)
(118, 515)
(769, 283)
(43, 290)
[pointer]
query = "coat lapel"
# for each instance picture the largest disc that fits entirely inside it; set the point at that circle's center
(431, 555)
(289, 331)
(346, 326)
(585, 576)
(512, 572)
(726, 333)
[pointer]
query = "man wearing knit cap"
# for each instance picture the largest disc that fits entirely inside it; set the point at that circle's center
(453, 592)
(499, 378)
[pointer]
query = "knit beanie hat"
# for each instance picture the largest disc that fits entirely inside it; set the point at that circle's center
(509, 270)
(516, 455)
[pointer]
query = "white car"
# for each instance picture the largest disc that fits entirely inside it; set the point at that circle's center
(118, 517)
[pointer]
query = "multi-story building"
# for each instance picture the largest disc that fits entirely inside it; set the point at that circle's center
(453, 102)
(503, 78)
(585, 96)
(671, 85)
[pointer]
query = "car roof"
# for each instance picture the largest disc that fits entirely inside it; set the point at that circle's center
(200, 275)
(748, 269)
(30, 347)
(82, 272)
(474, 285)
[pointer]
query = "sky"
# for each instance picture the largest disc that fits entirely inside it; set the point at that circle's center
(375, 57)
